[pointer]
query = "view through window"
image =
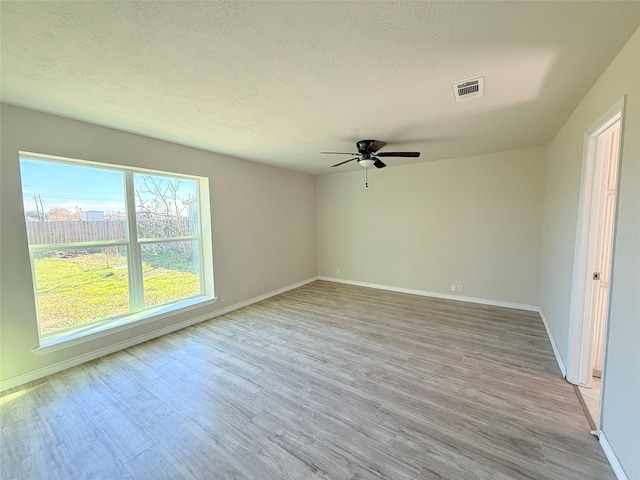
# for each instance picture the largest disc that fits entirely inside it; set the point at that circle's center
(107, 241)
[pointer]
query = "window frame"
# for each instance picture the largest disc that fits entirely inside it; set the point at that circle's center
(138, 314)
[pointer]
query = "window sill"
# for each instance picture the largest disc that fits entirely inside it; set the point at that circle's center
(64, 340)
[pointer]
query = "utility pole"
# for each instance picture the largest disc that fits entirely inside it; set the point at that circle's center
(44, 217)
(35, 200)
(37, 211)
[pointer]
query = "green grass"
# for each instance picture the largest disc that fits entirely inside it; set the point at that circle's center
(87, 287)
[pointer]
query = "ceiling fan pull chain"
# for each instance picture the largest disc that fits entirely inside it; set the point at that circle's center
(366, 176)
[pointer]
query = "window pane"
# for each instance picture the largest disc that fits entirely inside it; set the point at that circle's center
(70, 203)
(171, 271)
(166, 207)
(78, 286)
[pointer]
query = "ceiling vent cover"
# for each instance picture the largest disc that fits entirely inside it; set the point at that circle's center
(473, 87)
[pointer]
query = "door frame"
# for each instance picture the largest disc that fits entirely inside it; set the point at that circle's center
(580, 352)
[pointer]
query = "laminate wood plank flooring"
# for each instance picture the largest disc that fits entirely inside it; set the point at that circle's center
(591, 400)
(327, 381)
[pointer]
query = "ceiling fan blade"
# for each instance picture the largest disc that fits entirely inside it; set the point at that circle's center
(398, 154)
(379, 163)
(346, 161)
(339, 153)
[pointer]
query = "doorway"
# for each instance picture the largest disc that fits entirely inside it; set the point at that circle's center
(594, 251)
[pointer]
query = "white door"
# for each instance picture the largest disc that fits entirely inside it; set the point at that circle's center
(590, 290)
(608, 143)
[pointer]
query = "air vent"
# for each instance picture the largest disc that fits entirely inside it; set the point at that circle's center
(473, 87)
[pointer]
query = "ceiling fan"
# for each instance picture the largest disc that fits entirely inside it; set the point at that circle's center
(368, 154)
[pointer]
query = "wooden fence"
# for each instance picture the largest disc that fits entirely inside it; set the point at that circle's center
(40, 233)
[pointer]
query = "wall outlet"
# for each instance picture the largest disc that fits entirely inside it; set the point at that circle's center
(337, 271)
(453, 287)
(224, 298)
(459, 289)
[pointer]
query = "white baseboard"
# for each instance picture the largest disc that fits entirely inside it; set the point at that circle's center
(72, 362)
(611, 456)
(446, 296)
(554, 345)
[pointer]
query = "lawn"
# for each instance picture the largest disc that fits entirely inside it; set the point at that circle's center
(83, 287)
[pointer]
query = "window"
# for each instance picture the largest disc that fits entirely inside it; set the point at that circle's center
(108, 243)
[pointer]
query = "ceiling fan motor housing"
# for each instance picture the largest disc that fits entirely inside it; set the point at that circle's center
(367, 146)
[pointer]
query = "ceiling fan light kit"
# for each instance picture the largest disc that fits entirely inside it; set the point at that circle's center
(367, 162)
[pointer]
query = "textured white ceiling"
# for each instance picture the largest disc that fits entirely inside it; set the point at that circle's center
(278, 82)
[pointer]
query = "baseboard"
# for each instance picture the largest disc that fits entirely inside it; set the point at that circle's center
(446, 296)
(72, 362)
(611, 456)
(554, 345)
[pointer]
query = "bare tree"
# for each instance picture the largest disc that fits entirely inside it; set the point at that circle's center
(162, 213)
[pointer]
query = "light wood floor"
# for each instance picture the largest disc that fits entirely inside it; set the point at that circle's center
(591, 399)
(327, 381)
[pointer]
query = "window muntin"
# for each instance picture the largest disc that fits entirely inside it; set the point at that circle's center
(91, 259)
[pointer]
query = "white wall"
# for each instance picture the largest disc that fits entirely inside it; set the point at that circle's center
(621, 408)
(263, 222)
(475, 221)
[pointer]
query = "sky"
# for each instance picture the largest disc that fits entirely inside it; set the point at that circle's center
(70, 186)
(74, 186)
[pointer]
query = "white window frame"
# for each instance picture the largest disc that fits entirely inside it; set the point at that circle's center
(138, 314)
